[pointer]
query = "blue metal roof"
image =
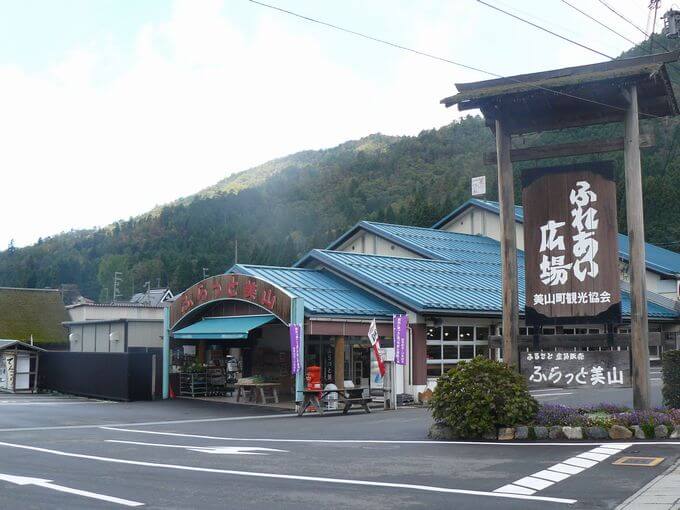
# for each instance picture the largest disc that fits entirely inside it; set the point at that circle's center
(658, 259)
(424, 285)
(323, 292)
(484, 204)
(223, 328)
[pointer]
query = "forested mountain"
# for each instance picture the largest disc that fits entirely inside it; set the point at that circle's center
(283, 208)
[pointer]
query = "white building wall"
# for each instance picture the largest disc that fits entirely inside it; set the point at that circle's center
(145, 334)
(370, 244)
(105, 312)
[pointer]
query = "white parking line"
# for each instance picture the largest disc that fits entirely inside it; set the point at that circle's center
(572, 466)
(550, 394)
(317, 479)
(220, 450)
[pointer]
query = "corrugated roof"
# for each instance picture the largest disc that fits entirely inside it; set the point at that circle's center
(6, 344)
(440, 286)
(323, 292)
(658, 259)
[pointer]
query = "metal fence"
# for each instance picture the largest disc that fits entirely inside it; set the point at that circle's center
(114, 376)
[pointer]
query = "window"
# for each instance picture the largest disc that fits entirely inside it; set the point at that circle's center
(448, 345)
(548, 331)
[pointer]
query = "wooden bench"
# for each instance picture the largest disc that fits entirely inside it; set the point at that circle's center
(254, 389)
(349, 397)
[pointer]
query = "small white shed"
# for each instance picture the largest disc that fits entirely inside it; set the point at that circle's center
(18, 366)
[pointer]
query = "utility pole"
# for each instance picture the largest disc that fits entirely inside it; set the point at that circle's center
(639, 336)
(117, 279)
(506, 198)
(235, 251)
(653, 4)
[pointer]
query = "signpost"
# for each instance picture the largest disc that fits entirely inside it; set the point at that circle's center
(571, 249)
(571, 369)
(399, 334)
(479, 186)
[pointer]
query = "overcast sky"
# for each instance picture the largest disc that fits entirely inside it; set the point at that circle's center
(110, 107)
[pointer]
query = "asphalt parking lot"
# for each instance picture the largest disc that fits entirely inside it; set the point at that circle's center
(85, 454)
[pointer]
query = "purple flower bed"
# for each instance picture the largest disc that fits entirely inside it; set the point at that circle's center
(653, 418)
(556, 414)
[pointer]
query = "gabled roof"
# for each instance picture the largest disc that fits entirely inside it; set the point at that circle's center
(659, 260)
(323, 292)
(425, 286)
(488, 205)
(7, 344)
(153, 297)
(32, 312)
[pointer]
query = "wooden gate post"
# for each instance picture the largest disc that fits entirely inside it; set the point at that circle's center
(506, 199)
(639, 337)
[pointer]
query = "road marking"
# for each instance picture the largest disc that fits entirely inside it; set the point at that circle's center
(573, 444)
(62, 403)
(551, 394)
(561, 471)
(47, 484)
(221, 450)
(143, 423)
(338, 481)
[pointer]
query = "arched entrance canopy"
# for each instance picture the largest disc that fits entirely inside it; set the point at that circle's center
(249, 289)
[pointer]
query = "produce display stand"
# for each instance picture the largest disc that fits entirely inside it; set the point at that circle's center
(193, 384)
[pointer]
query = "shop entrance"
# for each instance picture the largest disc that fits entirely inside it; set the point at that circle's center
(221, 358)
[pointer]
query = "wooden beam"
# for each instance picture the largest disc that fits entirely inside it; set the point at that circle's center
(506, 198)
(561, 150)
(639, 340)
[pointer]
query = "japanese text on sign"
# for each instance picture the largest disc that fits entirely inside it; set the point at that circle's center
(592, 369)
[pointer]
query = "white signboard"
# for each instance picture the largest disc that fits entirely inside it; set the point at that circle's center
(479, 185)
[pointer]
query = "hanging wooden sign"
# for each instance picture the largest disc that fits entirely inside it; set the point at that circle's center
(570, 244)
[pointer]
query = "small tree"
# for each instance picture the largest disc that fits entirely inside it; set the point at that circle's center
(477, 396)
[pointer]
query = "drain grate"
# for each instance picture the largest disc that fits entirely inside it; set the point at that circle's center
(638, 461)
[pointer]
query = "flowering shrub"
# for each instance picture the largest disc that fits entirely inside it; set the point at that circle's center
(477, 396)
(605, 407)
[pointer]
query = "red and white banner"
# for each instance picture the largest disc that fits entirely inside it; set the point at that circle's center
(375, 342)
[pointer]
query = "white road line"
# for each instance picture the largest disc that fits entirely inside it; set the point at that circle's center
(339, 481)
(572, 466)
(573, 444)
(144, 423)
(551, 394)
(47, 484)
(51, 403)
(220, 450)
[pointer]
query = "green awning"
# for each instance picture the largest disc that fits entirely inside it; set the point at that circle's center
(223, 328)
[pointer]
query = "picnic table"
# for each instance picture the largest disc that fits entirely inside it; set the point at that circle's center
(256, 388)
(349, 397)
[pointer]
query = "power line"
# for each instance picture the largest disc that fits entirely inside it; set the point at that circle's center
(441, 59)
(545, 29)
(622, 17)
(598, 22)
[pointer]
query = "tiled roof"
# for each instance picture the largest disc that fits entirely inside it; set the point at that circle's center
(659, 260)
(439, 286)
(323, 292)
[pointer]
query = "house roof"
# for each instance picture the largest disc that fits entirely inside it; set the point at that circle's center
(440, 286)
(323, 292)
(6, 344)
(153, 297)
(659, 260)
(32, 312)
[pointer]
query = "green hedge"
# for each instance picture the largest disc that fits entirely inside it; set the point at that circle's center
(671, 379)
(477, 396)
